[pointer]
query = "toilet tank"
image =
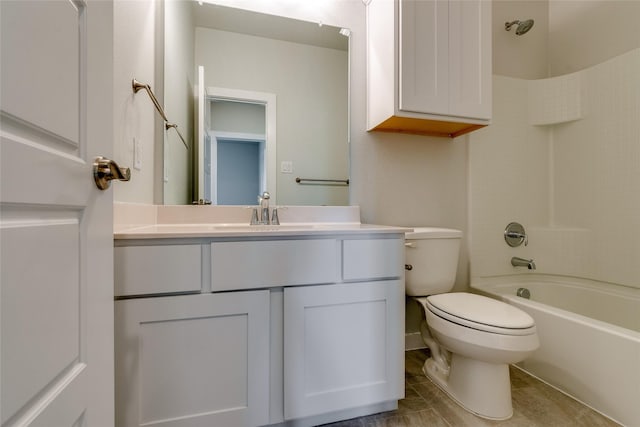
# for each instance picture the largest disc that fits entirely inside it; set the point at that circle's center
(432, 254)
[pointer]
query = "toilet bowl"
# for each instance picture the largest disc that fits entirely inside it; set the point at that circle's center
(472, 338)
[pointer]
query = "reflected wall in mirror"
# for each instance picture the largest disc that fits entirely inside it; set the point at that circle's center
(303, 64)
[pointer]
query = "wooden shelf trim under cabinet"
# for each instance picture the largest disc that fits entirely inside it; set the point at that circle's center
(426, 127)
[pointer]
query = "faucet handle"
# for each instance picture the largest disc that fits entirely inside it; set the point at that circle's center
(274, 214)
(515, 235)
(254, 215)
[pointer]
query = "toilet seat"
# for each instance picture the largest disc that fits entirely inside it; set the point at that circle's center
(480, 313)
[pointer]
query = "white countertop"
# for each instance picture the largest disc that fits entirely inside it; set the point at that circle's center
(164, 231)
(133, 221)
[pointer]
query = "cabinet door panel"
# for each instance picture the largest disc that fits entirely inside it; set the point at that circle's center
(143, 270)
(424, 56)
(343, 346)
(372, 259)
(470, 59)
(193, 360)
(246, 265)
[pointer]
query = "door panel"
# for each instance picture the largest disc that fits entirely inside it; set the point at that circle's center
(53, 350)
(56, 233)
(44, 40)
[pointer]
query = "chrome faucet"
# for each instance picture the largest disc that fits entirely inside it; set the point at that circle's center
(263, 200)
(521, 262)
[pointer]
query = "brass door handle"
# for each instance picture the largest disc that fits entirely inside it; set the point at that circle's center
(105, 170)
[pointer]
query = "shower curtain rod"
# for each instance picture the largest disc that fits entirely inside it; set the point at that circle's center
(136, 87)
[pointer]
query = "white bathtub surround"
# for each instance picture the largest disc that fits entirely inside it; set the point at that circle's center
(568, 183)
(589, 338)
(509, 175)
(556, 100)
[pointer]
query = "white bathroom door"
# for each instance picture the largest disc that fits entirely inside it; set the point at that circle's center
(56, 226)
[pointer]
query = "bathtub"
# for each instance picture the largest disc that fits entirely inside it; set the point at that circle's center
(589, 338)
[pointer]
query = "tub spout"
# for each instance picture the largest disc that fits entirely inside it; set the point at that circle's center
(521, 262)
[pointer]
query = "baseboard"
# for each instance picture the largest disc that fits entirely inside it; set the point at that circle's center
(413, 341)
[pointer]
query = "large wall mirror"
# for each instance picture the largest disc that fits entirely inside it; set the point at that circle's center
(221, 65)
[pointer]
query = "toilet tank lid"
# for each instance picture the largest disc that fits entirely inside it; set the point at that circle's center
(433, 233)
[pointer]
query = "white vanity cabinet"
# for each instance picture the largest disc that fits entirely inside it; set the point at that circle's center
(292, 330)
(429, 66)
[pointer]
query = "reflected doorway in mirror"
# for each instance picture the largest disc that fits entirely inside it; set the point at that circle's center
(235, 128)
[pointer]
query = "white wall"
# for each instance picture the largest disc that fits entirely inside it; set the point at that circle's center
(586, 33)
(520, 56)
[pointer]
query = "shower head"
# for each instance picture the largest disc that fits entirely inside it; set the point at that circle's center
(522, 26)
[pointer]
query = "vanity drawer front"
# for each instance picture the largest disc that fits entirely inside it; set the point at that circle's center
(142, 270)
(256, 264)
(372, 259)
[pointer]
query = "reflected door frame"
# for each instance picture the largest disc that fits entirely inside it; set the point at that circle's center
(211, 158)
(207, 93)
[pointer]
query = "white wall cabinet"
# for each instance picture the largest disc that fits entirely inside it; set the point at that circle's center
(291, 331)
(429, 66)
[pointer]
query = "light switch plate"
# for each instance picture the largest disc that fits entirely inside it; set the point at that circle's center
(286, 167)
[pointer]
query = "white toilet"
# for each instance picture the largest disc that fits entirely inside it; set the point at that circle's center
(472, 338)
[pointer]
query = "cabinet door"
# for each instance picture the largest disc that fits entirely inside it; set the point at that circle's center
(193, 360)
(470, 58)
(445, 57)
(424, 56)
(343, 346)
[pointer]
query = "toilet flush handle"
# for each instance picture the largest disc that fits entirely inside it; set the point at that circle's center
(409, 267)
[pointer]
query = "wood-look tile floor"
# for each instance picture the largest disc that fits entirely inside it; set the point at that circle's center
(535, 404)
